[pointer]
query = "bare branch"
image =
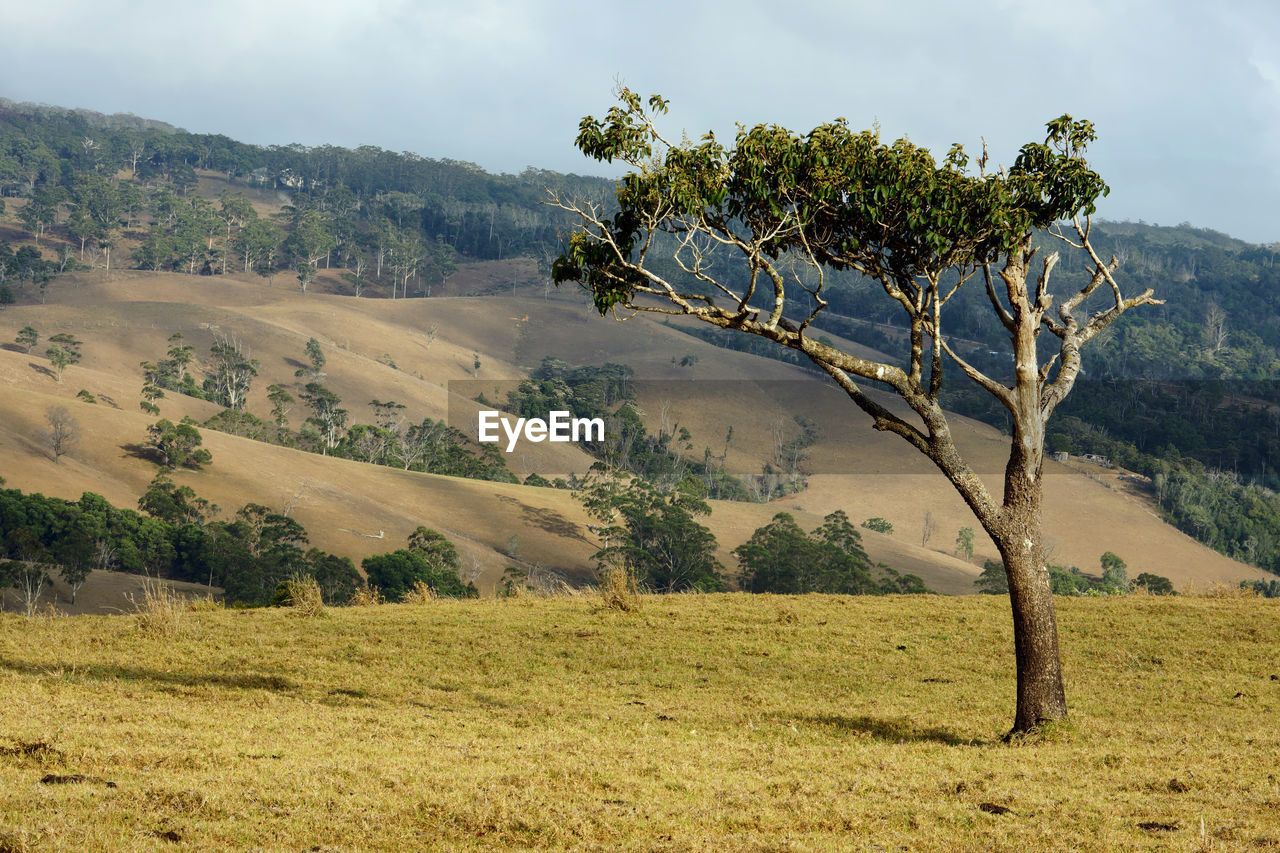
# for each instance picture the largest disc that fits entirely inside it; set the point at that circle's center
(1043, 298)
(884, 420)
(1006, 319)
(1000, 392)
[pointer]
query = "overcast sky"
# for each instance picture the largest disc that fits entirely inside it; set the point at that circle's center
(1185, 96)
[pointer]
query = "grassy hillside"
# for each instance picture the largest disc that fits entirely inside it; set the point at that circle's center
(127, 317)
(698, 722)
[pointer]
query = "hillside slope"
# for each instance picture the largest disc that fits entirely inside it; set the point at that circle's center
(356, 510)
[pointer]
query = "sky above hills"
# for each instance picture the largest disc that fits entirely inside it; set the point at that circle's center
(1185, 96)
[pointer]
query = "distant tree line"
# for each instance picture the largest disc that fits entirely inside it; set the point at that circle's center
(176, 537)
(653, 535)
(1114, 579)
(1218, 508)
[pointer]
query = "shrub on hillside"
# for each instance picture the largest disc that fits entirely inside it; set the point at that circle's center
(395, 574)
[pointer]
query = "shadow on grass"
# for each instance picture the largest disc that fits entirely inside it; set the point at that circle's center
(113, 672)
(40, 368)
(547, 519)
(891, 731)
(141, 451)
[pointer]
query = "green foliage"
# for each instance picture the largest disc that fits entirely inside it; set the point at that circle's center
(1266, 589)
(281, 400)
(27, 338)
(605, 392)
(248, 555)
(337, 576)
(1070, 581)
(446, 206)
(61, 358)
(433, 547)
(178, 445)
(254, 552)
(169, 374)
(781, 558)
(329, 417)
(64, 352)
(893, 582)
(315, 355)
(964, 542)
(231, 372)
(310, 240)
(653, 535)
(26, 265)
(993, 580)
(1154, 584)
(243, 424)
(513, 582)
(878, 524)
(174, 504)
(890, 209)
(1114, 576)
(396, 574)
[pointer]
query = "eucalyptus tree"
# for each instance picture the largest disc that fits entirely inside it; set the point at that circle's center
(790, 208)
(257, 242)
(309, 242)
(64, 351)
(329, 417)
(234, 212)
(230, 369)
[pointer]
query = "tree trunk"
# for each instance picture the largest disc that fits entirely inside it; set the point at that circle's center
(1019, 536)
(1041, 697)
(1018, 530)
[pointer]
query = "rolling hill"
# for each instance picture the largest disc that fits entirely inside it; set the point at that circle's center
(411, 350)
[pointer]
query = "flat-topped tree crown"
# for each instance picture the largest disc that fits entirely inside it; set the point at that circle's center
(792, 207)
(851, 200)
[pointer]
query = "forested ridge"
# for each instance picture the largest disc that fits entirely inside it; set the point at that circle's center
(385, 216)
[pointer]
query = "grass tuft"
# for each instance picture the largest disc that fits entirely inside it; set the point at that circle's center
(159, 612)
(419, 593)
(1217, 589)
(367, 596)
(618, 588)
(305, 597)
(202, 603)
(1048, 731)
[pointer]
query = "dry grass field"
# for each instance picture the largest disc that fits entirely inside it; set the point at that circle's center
(726, 722)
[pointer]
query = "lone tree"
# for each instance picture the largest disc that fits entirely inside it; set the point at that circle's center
(27, 338)
(177, 445)
(64, 352)
(63, 431)
(784, 205)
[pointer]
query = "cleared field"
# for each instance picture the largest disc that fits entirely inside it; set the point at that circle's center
(725, 722)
